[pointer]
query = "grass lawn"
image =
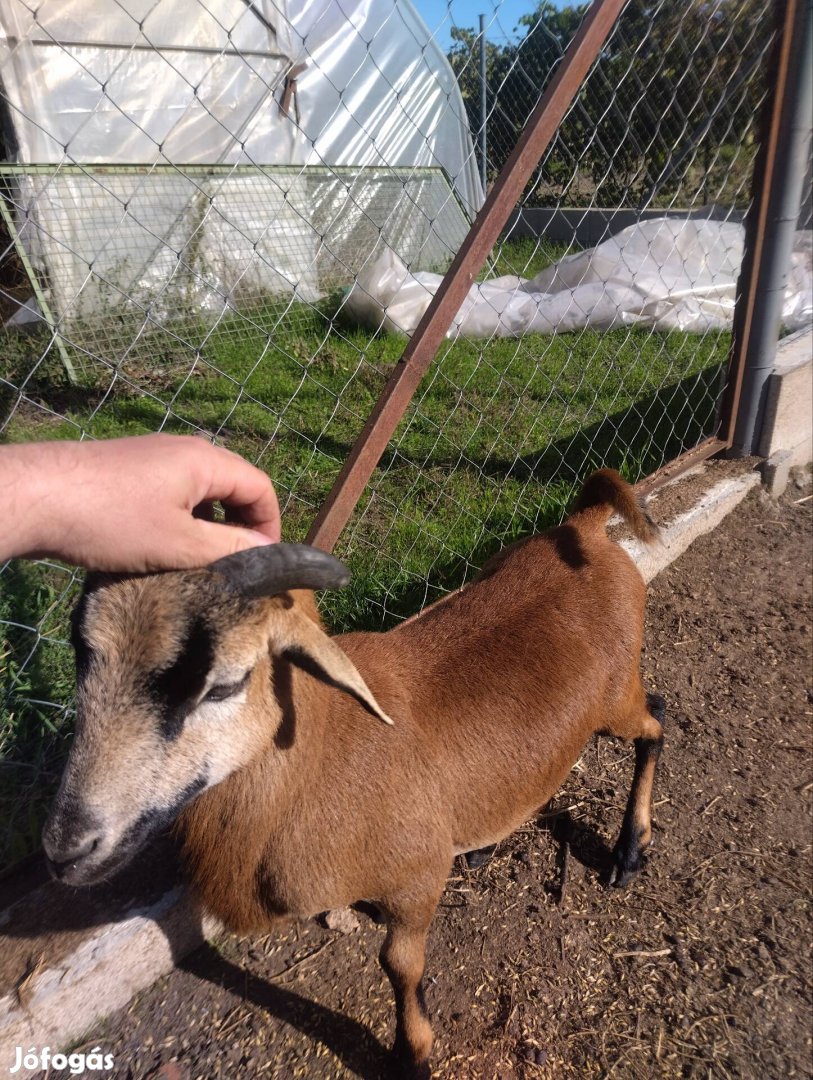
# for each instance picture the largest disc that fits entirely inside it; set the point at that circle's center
(494, 445)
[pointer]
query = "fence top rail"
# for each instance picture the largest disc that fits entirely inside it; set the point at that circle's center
(400, 172)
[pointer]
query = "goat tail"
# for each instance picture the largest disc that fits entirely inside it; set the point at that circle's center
(607, 492)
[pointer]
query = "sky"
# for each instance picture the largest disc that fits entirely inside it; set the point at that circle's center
(502, 17)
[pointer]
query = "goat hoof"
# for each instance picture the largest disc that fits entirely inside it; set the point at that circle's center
(626, 865)
(406, 1069)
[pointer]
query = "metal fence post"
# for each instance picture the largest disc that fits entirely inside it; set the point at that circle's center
(483, 106)
(770, 227)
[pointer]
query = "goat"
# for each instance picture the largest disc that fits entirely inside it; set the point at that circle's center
(213, 697)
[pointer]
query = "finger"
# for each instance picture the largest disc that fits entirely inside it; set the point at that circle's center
(211, 541)
(246, 488)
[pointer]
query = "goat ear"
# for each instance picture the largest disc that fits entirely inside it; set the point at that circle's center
(299, 640)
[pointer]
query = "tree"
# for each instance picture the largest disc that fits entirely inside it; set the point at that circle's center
(669, 106)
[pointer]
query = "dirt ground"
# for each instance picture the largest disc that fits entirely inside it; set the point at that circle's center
(701, 968)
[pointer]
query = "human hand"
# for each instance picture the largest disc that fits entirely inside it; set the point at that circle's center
(127, 504)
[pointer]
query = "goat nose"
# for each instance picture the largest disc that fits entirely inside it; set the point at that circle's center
(59, 861)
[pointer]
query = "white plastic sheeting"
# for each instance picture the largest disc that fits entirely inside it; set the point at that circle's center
(179, 183)
(144, 82)
(139, 82)
(666, 273)
(378, 90)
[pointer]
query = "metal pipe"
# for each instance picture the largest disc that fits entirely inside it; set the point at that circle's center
(483, 106)
(771, 227)
(689, 459)
(147, 46)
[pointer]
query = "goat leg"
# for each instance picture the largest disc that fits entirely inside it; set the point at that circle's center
(403, 957)
(478, 858)
(636, 829)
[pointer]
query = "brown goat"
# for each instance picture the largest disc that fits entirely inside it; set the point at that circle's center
(203, 698)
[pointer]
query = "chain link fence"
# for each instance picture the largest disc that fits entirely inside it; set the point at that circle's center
(190, 233)
(666, 120)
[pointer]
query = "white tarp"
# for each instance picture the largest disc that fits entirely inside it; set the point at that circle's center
(139, 82)
(666, 273)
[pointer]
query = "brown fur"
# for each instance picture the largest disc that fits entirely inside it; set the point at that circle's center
(494, 692)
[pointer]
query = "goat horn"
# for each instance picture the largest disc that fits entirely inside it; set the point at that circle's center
(275, 568)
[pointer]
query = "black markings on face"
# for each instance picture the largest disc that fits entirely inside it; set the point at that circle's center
(146, 826)
(154, 820)
(175, 690)
(69, 820)
(82, 650)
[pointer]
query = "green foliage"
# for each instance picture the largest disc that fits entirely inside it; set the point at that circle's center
(668, 110)
(36, 684)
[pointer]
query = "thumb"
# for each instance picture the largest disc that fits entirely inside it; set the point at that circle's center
(214, 541)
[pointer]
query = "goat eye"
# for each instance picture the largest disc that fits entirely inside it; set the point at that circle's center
(222, 691)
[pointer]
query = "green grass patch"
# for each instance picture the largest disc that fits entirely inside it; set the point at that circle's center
(494, 445)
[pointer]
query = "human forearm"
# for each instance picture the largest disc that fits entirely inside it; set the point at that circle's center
(26, 491)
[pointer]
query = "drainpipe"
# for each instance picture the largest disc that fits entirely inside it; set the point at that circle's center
(772, 220)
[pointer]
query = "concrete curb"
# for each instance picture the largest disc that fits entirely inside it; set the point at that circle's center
(59, 978)
(704, 516)
(53, 1006)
